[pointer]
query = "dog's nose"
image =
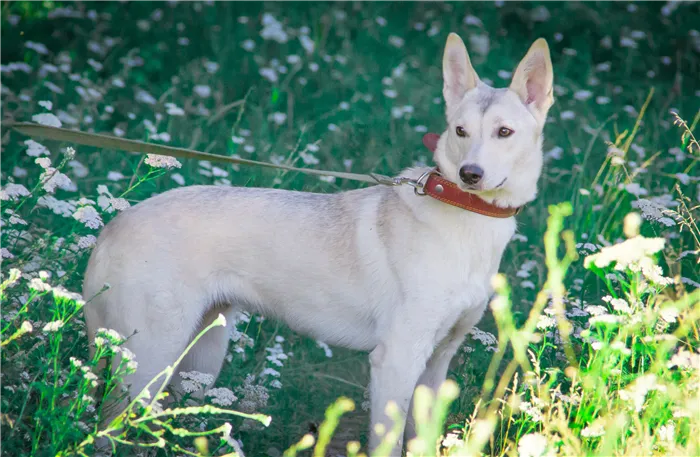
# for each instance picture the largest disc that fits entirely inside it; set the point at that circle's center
(471, 174)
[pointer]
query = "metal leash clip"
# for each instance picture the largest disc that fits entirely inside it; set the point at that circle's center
(417, 184)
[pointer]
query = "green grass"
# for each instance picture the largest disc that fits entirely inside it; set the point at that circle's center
(96, 68)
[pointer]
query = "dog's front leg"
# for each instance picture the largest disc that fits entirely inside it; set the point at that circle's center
(396, 364)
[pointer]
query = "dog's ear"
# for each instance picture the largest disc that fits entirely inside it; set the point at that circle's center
(533, 79)
(457, 71)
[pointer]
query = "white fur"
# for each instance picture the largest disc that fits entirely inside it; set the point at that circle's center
(378, 269)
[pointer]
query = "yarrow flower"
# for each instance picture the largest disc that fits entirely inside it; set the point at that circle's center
(87, 241)
(13, 192)
(254, 396)
(53, 326)
(636, 393)
(593, 431)
(39, 285)
(221, 396)
(161, 161)
(47, 119)
(6, 254)
(685, 360)
(486, 338)
(109, 336)
(653, 211)
(626, 254)
(534, 445)
(53, 178)
(35, 149)
(89, 216)
(192, 381)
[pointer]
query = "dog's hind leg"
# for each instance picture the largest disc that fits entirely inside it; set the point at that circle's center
(207, 355)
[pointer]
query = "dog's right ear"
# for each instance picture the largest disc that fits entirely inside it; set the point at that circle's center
(457, 71)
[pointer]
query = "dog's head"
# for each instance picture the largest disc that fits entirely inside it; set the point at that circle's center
(493, 143)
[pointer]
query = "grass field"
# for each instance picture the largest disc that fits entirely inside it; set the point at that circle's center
(353, 87)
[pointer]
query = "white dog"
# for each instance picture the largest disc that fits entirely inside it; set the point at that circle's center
(379, 269)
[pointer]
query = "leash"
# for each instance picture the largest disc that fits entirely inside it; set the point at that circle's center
(111, 142)
(429, 183)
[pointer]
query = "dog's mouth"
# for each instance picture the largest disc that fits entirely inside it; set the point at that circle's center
(477, 189)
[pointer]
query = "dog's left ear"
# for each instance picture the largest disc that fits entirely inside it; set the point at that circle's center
(533, 80)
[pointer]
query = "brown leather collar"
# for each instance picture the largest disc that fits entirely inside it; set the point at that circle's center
(448, 192)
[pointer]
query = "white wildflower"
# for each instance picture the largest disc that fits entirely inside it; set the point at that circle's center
(13, 192)
(174, 110)
(120, 204)
(221, 396)
(307, 43)
(626, 253)
(272, 29)
(396, 41)
(202, 90)
(87, 241)
(667, 432)
(19, 172)
(35, 149)
(270, 372)
(89, 216)
(326, 348)
(278, 118)
(193, 381)
(269, 73)
(635, 189)
(39, 285)
(248, 45)
(53, 179)
(620, 305)
(145, 97)
(669, 314)
(654, 211)
(567, 115)
(604, 319)
(161, 161)
(651, 271)
(47, 119)
(545, 322)
(60, 207)
(110, 335)
(254, 396)
(583, 95)
(593, 431)
(178, 178)
(540, 14)
(534, 445)
(486, 338)
(636, 392)
(685, 359)
(53, 326)
(6, 254)
(452, 441)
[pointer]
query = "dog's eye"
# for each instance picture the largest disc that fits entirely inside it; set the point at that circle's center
(504, 132)
(461, 131)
